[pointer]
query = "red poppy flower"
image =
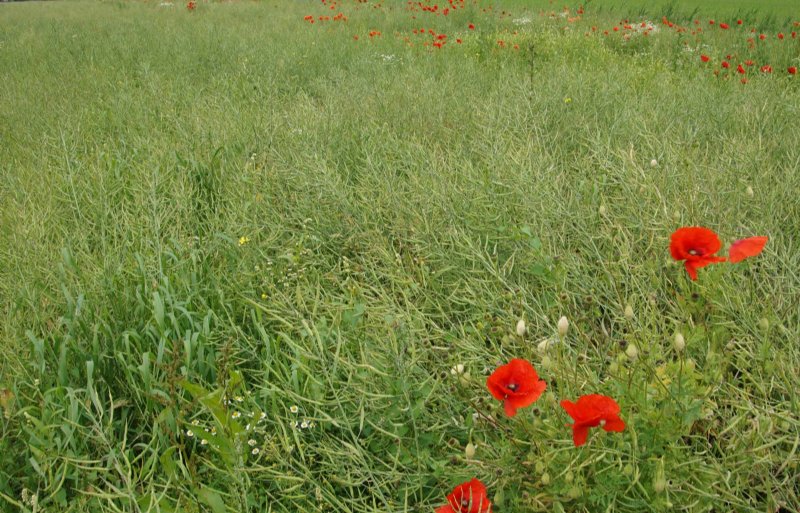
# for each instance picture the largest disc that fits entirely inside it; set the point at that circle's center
(592, 411)
(516, 384)
(696, 246)
(766, 68)
(739, 22)
(469, 497)
(471, 26)
(746, 248)
(780, 35)
(705, 58)
(792, 70)
(726, 64)
(191, 5)
(762, 36)
(741, 69)
(749, 62)
(724, 26)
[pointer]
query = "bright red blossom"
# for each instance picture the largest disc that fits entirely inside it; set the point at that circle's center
(591, 411)
(696, 246)
(746, 248)
(726, 64)
(792, 70)
(705, 58)
(516, 384)
(469, 497)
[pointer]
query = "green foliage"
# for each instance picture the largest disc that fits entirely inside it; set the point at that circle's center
(251, 264)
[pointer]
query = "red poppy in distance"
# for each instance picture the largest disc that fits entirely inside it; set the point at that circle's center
(746, 248)
(516, 384)
(705, 58)
(741, 69)
(592, 411)
(726, 64)
(792, 70)
(696, 246)
(469, 497)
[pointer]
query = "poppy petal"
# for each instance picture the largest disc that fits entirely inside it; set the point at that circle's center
(746, 248)
(571, 409)
(691, 269)
(510, 409)
(580, 434)
(615, 424)
(445, 509)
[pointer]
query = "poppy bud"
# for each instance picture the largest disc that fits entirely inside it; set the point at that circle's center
(763, 323)
(653, 163)
(547, 363)
(602, 210)
(750, 191)
(563, 326)
(469, 450)
(545, 479)
(457, 369)
(539, 467)
(679, 343)
(543, 345)
(629, 312)
(569, 477)
(521, 328)
(613, 368)
(676, 216)
(574, 492)
(659, 484)
(632, 351)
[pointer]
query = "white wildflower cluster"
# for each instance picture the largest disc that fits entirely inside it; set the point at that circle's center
(526, 20)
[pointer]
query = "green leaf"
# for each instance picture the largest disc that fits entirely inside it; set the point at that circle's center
(212, 499)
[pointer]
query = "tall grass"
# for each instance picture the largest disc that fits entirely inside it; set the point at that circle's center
(231, 225)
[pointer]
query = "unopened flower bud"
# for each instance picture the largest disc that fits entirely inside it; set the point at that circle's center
(676, 215)
(629, 312)
(521, 328)
(569, 477)
(659, 484)
(469, 450)
(546, 362)
(763, 323)
(750, 191)
(602, 210)
(632, 351)
(679, 343)
(539, 467)
(613, 368)
(653, 163)
(563, 326)
(543, 345)
(457, 369)
(574, 492)
(545, 479)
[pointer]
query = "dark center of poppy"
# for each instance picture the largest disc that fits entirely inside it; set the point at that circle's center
(693, 252)
(512, 386)
(464, 503)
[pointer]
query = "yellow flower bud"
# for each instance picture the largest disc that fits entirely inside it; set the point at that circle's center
(679, 343)
(563, 326)
(521, 328)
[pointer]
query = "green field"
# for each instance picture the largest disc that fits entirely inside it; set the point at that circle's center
(243, 257)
